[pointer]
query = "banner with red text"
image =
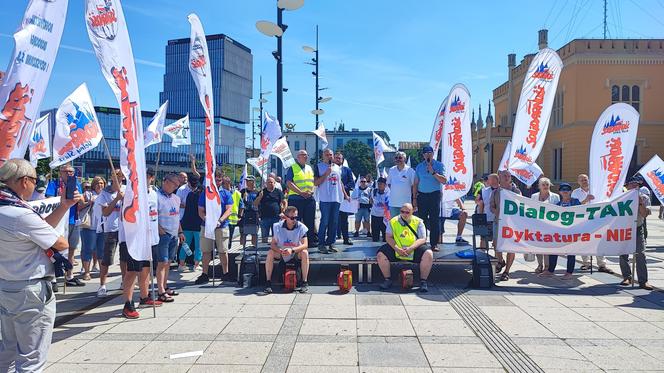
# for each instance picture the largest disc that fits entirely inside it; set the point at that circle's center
(534, 109)
(199, 67)
(527, 175)
(76, 129)
(179, 132)
(458, 150)
(261, 165)
(653, 173)
(109, 36)
(611, 150)
(437, 130)
(529, 226)
(40, 141)
(282, 151)
(26, 78)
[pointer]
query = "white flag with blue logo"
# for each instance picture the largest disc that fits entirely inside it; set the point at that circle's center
(40, 141)
(179, 132)
(653, 173)
(155, 131)
(379, 148)
(271, 133)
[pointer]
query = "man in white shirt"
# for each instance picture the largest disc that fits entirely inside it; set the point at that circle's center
(401, 181)
(110, 201)
(327, 177)
(170, 234)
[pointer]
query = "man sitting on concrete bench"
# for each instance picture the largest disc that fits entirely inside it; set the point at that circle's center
(289, 243)
(406, 241)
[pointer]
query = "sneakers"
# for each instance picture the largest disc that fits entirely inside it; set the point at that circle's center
(322, 249)
(605, 270)
(182, 269)
(202, 279)
(129, 311)
(424, 287)
(332, 249)
(149, 302)
(461, 242)
(101, 292)
(304, 288)
(386, 284)
(74, 282)
(55, 287)
(268, 288)
(198, 268)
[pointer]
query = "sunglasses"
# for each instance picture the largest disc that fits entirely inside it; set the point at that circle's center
(363, 181)
(405, 212)
(291, 217)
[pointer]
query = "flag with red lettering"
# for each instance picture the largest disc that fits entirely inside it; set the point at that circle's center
(155, 131)
(36, 46)
(457, 152)
(534, 109)
(199, 67)
(260, 165)
(320, 132)
(109, 36)
(527, 175)
(40, 141)
(653, 172)
(179, 132)
(437, 130)
(611, 150)
(379, 148)
(77, 128)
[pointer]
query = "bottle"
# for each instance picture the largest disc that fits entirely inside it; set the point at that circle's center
(186, 249)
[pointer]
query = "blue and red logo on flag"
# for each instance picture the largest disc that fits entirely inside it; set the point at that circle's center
(656, 177)
(615, 125)
(520, 154)
(457, 105)
(543, 72)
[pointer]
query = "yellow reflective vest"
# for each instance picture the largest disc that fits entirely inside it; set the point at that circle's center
(233, 217)
(302, 178)
(403, 236)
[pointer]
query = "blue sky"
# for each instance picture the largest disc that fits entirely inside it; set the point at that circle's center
(387, 64)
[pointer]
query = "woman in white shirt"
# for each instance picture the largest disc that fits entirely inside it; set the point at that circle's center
(92, 242)
(544, 195)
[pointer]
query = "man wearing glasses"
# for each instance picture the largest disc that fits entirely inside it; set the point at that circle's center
(401, 180)
(289, 244)
(170, 233)
(406, 241)
(428, 178)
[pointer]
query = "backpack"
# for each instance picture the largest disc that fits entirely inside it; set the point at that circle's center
(250, 265)
(345, 279)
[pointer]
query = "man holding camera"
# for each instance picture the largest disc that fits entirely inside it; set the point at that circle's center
(29, 260)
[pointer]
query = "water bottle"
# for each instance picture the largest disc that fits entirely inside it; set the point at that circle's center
(187, 250)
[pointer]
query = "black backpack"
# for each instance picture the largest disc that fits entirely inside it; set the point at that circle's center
(250, 264)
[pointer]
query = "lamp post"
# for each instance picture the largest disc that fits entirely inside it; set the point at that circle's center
(319, 100)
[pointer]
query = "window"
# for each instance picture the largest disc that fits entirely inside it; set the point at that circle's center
(627, 94)
(370, 143)
(557, 112)
(558, 163)
(340, 143)
(297, 145)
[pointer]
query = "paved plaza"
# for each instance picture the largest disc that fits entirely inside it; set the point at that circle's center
(589, 324)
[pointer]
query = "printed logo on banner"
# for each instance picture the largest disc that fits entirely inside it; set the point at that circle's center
(542, 72)
(612, 162)
(657, 181)
(82, 130)
(523, 174)
(521, 154)
(129, 118)
(534, 109)
(455, 140)
(198, 60)
(39, 144)
(439, 129)
(615, 125)
(102, 19)
(13, 118)
(454, 184)
(457, 105)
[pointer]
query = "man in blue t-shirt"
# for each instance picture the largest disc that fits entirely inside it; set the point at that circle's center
(56, 188)
(428, 178)
(221, 233)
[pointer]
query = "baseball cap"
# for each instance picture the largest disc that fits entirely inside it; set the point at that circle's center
(251, 177)
(427, 149)
(565, 187)
(382, 180)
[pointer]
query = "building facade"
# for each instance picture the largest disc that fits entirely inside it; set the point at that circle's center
(596, 74)
(231, 64)
(336, 139)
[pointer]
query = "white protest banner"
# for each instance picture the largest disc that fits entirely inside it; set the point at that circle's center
(282, 151)
(243, 178)
(40, 141)
(611, 150)
(320, 132)
(437, 130)
(109, 36)
(77, 128)
(271, 133)
(379, 147)
(36, 46)
(260, 165)
(179, 132)
(155, 131)
(199, 67)
(527, 175)
(534, 109)
(530, 226)
(653, 173)
(45, 207)
(458, 152)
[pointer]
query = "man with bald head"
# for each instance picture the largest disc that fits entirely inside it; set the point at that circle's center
(406, 241)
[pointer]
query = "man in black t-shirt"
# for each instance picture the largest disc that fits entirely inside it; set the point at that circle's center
(249, 220)
(191, 224)
(270, 203)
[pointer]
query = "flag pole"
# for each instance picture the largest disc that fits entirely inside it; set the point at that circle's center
(156, 164)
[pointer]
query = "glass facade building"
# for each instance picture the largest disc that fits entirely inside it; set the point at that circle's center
(231, 64)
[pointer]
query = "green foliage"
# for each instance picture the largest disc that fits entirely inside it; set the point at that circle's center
(360, 157)
(415, 156)
(42, 166)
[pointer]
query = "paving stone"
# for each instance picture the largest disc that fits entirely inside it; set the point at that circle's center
(81, 368)
(579, 301)
(253, 326)
(185, 337)
(619, 358)
(334, 354)
(381, 312)
(461, 356)
(451, 328)
(244, 353)
(321, 369)
(378, 327)
(516, 323)
(214, 310)
(246, 337)
(392, 355)
(645, 314)
(207, 325)
(332, 299)
(577, 329)
(399, 369)
(271, 299)
(467, 370)
(328, 327)
(263, 311)
(449, 340)
(558, 357)
(297, 311)
(302, 299)
(159, 352)
(423, 300)
(633, 330)
(291, 326)
(553, 314)
(490, 300)
(61, 349)
(127, 337)
(604, 314)
(225, 368)
(150, 368)
(330, 311)
(144, 325)
(175, 309)
(378, 300)
(438, 312)
(327, 338)
(97, 352)
(276, 363)
(534, 301)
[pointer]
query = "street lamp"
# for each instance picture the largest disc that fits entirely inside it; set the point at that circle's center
(319, 100)
(253, 129)
(277, 30)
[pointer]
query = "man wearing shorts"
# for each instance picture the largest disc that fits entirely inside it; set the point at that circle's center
(483, 201)
(454, 210)
(505, 182)
(289, 244)
(221, 233)
(110, 201)
(170, 234)
(406, 241)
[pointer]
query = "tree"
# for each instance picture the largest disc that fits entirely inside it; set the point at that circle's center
(415, 156)
(360, 157)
